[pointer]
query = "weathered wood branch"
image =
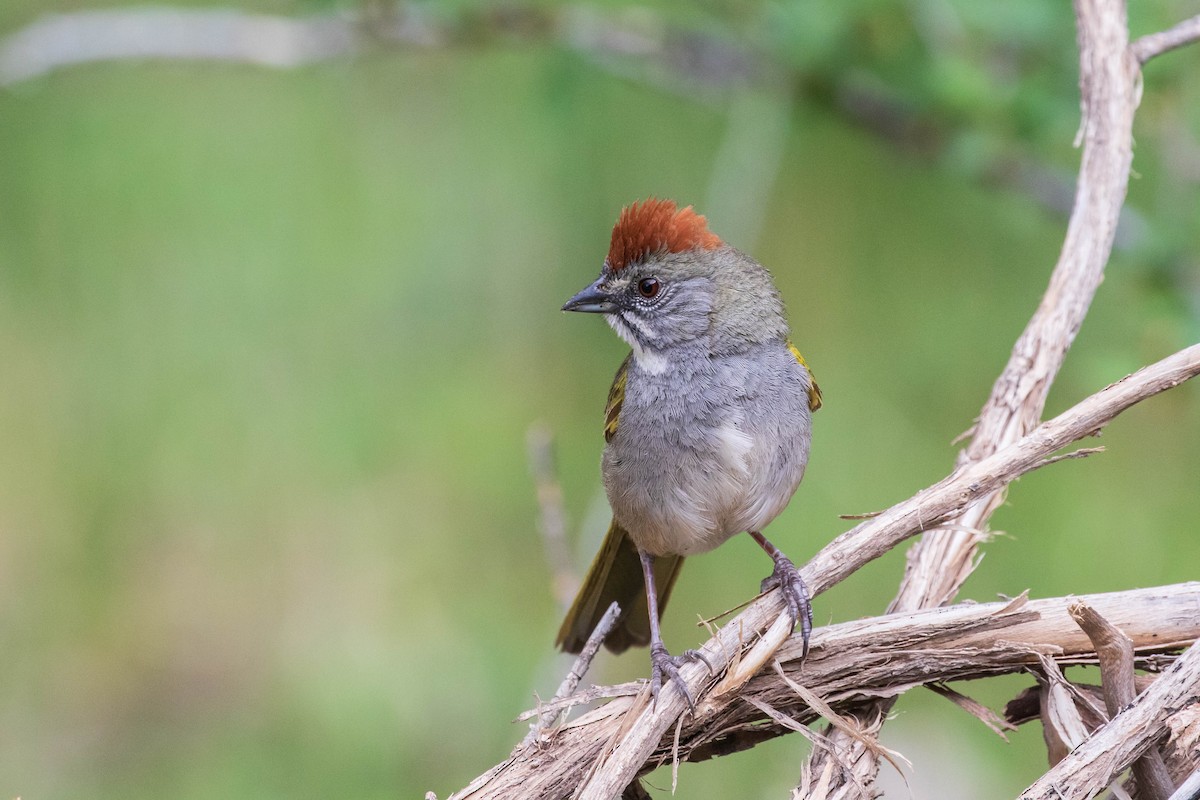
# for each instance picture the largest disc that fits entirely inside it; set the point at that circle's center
(1115, 652)
(610, 746)
(886, 656)
(1110, 750)
(869, 540)
(939, 564)
(1155, 44)
(848, 662)
(606, 749)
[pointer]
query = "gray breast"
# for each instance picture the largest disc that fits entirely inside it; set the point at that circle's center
(707, 448)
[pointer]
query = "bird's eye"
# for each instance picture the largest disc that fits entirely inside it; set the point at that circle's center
(649, 287)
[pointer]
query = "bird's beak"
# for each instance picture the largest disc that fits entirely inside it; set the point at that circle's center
(593, 300)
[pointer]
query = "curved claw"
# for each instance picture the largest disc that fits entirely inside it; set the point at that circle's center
(786, 577)
(663, 662)
(698, 655)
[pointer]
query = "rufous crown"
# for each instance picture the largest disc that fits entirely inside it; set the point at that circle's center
(657, 226)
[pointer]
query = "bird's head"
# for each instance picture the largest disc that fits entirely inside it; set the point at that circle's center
(669, 281)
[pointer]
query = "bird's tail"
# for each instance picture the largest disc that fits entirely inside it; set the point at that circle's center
(616, 574)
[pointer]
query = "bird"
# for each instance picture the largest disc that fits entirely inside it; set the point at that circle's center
(707, 425)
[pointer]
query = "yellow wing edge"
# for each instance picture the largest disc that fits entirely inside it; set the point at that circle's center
(814, 391)
(616, 399)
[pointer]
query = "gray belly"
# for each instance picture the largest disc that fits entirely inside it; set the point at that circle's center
(685, 472)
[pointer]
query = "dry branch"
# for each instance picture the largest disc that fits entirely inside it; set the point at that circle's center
(885, 656)
(853, 661)
(940, 563)
(600, 754)
(569, 684)
(1155, 44)
(615, 752)
(1114, 746)
(1115, 651)
(1180, 750)
(738, 642)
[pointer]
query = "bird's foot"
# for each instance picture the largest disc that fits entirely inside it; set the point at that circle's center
(663, 663)
(786, 577)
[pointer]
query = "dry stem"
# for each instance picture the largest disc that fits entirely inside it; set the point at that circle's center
(620, 752)
(1113, 747)
(1115, 651)
(853, 661)
(1110, 88)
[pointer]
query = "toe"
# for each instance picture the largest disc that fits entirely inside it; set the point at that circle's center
(661, 662)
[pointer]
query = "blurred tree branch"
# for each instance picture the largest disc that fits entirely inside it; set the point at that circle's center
(703, 63)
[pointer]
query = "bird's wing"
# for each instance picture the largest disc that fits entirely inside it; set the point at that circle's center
(814, 391)
(616, 398)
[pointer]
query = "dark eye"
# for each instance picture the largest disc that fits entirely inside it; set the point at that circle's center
(649, 287)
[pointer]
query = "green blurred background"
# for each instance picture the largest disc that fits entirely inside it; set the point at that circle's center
(271, 341)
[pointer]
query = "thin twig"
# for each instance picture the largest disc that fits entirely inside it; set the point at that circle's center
(1115, 652)
(848, 663)
(997, 724)
(939, 564)
(1115, 745)
(1155, 44)
(1082, 452)
(571, 682)
(588, 695)
(552, 519)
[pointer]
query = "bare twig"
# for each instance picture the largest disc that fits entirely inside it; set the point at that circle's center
(576, 673)
(1115, 652)
(997, 724)
(1082, 452)
(552, 519)
(850, 662)
(1114, 746)
(1155, 44)
(588, 695)
(940, 563)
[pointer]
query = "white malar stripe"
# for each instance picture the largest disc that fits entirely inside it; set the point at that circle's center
(635, 321)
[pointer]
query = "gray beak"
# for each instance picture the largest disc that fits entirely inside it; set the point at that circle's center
(592, 300)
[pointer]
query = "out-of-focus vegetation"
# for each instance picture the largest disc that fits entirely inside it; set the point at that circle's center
(271, 342)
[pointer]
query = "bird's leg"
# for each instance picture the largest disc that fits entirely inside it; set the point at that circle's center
(660, 660)
(787, 578)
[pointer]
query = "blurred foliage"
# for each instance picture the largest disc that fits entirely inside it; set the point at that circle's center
(271, 341)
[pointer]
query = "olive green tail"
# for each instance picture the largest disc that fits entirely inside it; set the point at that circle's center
(616, 574)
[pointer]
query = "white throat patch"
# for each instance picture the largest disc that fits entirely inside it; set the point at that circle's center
(651, 362)
(654, 363)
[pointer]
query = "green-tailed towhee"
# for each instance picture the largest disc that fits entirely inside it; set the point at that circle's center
(707, 423)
